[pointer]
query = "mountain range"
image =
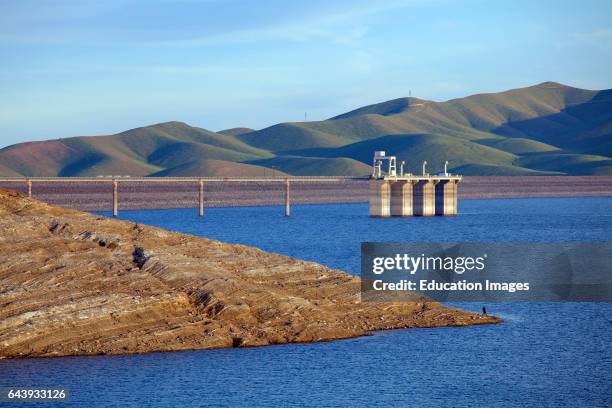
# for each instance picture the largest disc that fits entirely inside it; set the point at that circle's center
(544, 129)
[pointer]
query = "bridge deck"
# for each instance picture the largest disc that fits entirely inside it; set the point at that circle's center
(182, 179)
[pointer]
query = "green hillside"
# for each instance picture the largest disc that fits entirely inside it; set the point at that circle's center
(414, 149)
(392, 107)
(289, 136)
(218, 168)
(236, 131)
(7, 172)
(181, 152)
(315, 166)
(137, 152)
(569, 163)
(519, 145)
(495, 170)
(548, 128)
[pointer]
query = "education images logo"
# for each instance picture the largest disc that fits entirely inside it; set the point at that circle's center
(445, 266)
(486, 271)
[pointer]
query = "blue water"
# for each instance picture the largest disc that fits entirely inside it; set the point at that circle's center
(544, 354)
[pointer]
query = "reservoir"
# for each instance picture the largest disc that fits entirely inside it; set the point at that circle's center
(544, 354)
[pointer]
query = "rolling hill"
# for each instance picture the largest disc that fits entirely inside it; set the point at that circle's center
(218, 168)
(414, 149)
(236, 131)
(315, 166)
(548, 128)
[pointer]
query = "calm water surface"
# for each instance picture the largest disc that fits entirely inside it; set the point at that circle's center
(545, 354)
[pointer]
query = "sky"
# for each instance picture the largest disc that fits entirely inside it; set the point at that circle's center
(77, 67)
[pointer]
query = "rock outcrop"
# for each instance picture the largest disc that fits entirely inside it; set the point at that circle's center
(73, 283)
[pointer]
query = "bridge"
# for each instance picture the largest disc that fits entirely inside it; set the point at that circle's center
(390, 193)
(199, 183)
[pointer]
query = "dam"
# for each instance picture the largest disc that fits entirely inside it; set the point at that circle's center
(389, 192)
(393, 193)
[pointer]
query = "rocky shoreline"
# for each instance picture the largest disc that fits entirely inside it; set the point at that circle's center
(73, 283)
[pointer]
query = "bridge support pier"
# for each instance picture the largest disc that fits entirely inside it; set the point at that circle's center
(446, 197)
(287, 199)
(401, 198)
(115, 198)
(201, 197)
(380, 198)
(29, 188)
(424, 198)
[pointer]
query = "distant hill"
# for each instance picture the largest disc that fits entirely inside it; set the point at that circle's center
(314, 166)
(136, 152)
(414, 149)
(236, 131)
(218, 168)
(548, 128)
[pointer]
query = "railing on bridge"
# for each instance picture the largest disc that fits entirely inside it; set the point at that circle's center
(199, 184)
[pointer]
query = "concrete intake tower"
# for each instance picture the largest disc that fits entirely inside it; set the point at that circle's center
(405, 195)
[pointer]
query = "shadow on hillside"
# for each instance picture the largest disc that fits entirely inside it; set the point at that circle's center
(583, 128)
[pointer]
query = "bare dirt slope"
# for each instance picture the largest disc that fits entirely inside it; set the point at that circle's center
(72, 283)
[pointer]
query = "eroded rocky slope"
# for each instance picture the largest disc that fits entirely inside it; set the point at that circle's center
(73, 283)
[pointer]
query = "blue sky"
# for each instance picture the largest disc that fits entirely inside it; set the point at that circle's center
(74, 67)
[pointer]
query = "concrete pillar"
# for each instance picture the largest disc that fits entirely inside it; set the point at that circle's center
(446, 197)
(401, 198)
(29, 188)
(453, 198)
(115, 198)
(287, 199)
(201, 197)
(380, 198)
(424, 198)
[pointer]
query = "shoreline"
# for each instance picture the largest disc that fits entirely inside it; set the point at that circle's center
(488, 320)
(74, 283)
(159, 195)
